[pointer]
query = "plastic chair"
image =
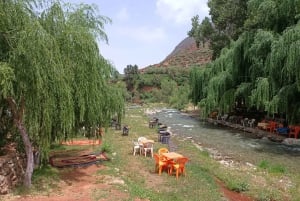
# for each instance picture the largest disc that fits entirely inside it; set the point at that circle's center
(160, 163)
(140, 140)
(163, 150)
(272, 126)
(251, 123)
(125, 130)
(295, 131)
(148, 147)
(179, 166)
(136, 147)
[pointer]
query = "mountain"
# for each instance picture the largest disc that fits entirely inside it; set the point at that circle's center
(185, 54)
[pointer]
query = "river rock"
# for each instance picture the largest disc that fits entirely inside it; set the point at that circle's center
(291, 141)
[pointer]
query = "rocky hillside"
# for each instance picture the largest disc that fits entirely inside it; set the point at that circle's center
(185, 54)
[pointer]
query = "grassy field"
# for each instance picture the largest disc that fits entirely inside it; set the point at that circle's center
(263, 182)
(266, 181)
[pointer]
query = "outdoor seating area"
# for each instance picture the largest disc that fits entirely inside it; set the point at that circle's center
(280, 128)
(165, 161)
(275, 127)
(171, 162)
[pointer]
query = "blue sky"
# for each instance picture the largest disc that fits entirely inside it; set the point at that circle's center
(144, 32)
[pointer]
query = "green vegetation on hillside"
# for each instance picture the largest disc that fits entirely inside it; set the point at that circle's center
(167, 85)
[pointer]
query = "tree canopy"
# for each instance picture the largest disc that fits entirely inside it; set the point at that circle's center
(260, 67)
(54, 77)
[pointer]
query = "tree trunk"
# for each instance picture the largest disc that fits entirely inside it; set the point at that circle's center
(18, 120)
(29, 153)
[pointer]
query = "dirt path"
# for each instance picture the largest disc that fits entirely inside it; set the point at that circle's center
(80, 184)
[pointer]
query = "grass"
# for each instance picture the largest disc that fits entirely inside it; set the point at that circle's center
(201, 171)
(197, 183)
(265, 182)
(272, 168)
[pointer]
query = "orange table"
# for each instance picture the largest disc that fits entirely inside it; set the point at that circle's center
(172, 155)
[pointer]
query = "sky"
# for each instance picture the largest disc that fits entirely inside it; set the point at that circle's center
(145, 32)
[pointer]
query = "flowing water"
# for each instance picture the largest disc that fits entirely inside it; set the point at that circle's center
(233, 143)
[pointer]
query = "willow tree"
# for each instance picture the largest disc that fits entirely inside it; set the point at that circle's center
(262, 65)
(58, 79)
(199, 78)
(285, 74)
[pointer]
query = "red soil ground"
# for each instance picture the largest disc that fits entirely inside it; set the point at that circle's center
(85, 184)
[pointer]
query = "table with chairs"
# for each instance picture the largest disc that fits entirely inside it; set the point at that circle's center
(172, 162)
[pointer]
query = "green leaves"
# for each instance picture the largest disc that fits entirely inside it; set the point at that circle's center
(53, 60)
(7, 77)
(261, 66)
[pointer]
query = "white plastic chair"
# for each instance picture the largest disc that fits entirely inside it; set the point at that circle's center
(140, 140)
(136, 148)
(251, 123)
(148, 147)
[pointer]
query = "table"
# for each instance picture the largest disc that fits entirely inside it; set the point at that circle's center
(147, 141)
(172, 155)
(262, 125)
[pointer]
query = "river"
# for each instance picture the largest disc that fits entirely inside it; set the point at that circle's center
(232, 143)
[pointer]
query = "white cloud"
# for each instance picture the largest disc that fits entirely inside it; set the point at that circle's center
(181, 11)
(123, 14)
(144, 34)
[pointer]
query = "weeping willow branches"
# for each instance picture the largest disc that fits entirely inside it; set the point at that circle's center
(52, 59)
(262, 67)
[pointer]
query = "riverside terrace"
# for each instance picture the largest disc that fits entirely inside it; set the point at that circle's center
(273, 130)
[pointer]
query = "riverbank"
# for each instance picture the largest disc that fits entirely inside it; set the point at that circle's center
(221, 149)
(253, 132)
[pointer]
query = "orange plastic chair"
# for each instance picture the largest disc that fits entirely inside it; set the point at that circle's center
(160, 163)
(295, 131)
(179, 166)
(163, 150)
(272, 126)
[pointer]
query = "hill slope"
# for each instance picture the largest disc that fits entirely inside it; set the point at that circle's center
(185, 54)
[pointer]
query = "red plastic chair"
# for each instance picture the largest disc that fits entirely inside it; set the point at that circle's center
(272, 126)
(294, 131)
